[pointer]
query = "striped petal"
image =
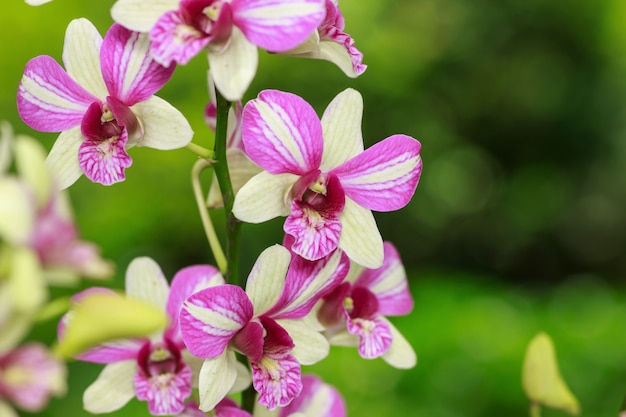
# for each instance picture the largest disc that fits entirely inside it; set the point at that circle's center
(315, 234)
(105, 161)
(282, 133)
(360, 238)
(384, 177)
(81, 56)
(48, 99)
(317, 399)
(145, 281)
(164, 126)
(389, 283)
(278, 25)
(113, 388)
(374, 335)
(62, 161)
(341, 124)
(130, 73)
(141, 15)
(211, 317)
(264, 197)
(267, 278)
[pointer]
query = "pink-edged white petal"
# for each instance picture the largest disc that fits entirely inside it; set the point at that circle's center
(384, 177)
(186, 282)
(217, 376)
(341, 124)
(48, 99)
(165, 393)
(308, 281)
(164, 126)
(264, 197)
(278, 25)
(310, 345)
(360, 238)
(374, 335)
(315, 234)
(267, 278)
(400, 354)
(81, 56)
(389, 283)
(282, 133)
(233, 67)
(62, 161)
(130, 73)
(113, 388)
(317, 399)
(343, 54)
(145, 281)
(105, 161)
(139, 15)
(211, 317)
(174, 40)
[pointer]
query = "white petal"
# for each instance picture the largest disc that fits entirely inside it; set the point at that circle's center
(17, 211)
(62, 161)
(5, 409)
(6, 145)
(113, 388)
(26, 283)
(81, 56)
(267, 278)
(264, 197)
(241, 170)
(164, 126)
(141, 15)
(360, 238)
(343, 338)
(30, 158)
(145, 282)
(310, 346)
(234, 67)
(243, 380)
(338, 55)
(341, 127)
(217, 377)
(400, 354)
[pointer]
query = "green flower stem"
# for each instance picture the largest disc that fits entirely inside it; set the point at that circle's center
(233, 226)
(214, 242)
(535, 410)
(199, 151)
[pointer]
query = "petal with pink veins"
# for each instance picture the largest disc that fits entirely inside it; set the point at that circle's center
(316, 234)
(130, 72)
(278, 25)
(174, 40)
(384, 177)
(282, 133)
(374, 335)
(105, 161)
(165, 393)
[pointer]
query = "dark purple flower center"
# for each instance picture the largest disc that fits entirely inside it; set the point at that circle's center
(106, 121)
(212, 18)
(320, 192)
(156, 359)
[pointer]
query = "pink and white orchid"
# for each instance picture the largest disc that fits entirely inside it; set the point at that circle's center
(102, 103)
(354, 313)
(155, 369)
(230, 30)
(331, 43)
(317, 174)
(266, 323)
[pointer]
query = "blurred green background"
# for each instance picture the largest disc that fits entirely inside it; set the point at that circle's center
(518, 224)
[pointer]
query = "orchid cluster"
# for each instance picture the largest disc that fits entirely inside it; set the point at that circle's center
(333, 280)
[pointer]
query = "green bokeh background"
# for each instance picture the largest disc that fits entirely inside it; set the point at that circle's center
(518, 224)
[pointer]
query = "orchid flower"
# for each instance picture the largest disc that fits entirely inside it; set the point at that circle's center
(29, 376)
(269, 323)
(103, 105)
(230, 30)
(355, 312)
(317, 399)
(155, 369)
(331, 43)
(317, 174)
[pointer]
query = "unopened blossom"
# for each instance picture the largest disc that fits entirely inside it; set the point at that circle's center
(29, 376)
(331, 43)
(317, 399)
(267, 323)
(229, 30)
(102, 103)
(318, 175)
(354, 314)
(153, 369)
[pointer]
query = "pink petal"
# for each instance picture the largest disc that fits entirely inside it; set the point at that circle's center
(211, 317)
(282, 133)
(130, 73)
(104, 161)
(249, 341)
(278, 25)
(374, 334)
(384, 177)
(48, 99)
(165, 393)
(389, 283)
(316, 235)
(186, 282)
(317, 399)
